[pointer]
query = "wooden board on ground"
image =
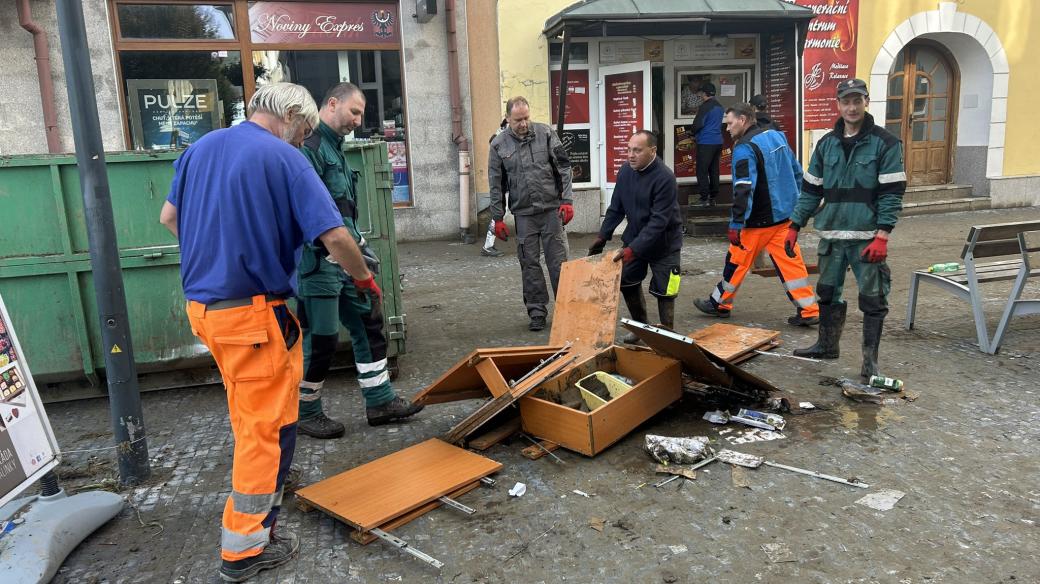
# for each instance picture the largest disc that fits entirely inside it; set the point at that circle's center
(767, 347)
(380, 491)
(463, 381)
(365, 538)
(587, 304)
(731, 342)
(496, 435)
(536, 451)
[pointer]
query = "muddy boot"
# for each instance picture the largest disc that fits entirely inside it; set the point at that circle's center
(666, 310)
(636, 308)
(279, 550)
(320, 426)
(394, 409)
(872, 327)
(832, 321)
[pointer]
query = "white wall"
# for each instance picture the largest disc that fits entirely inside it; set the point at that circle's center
(973, 123)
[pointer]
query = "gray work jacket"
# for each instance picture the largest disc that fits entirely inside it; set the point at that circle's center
(536, 168)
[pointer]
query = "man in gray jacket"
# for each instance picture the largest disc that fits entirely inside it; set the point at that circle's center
(532, 162)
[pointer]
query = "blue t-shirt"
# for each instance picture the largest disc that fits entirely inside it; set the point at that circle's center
(246, 203)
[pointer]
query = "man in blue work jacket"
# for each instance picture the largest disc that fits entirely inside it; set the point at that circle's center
(707, 131)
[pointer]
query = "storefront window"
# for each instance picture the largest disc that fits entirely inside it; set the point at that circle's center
(376, 73)
(579, 53)
(176, 97)
(176, 21)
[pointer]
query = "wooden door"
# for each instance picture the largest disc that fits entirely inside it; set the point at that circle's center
(922, 108)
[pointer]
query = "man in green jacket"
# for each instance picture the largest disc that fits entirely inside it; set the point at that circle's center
(327, 296)
(857, 171)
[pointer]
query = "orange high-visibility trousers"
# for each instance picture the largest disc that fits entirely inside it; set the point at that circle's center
(261, 361)
(791, 271)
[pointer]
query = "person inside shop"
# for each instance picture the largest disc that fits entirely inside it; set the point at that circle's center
(327, 296)
(707, 133)
(645, 194)
(766, 183)
(690, 98)
(861, 185)
(762, 112)
(529, 160)
(242, 203)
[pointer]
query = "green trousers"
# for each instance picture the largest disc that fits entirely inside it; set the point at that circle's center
(873, 279)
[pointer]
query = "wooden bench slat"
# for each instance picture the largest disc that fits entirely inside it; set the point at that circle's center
(993, 276)
(989, 249)
(997, 231)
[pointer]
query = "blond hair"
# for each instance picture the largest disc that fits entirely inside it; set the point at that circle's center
(284, 99)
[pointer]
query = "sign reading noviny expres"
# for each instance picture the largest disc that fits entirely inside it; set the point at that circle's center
(323, 23)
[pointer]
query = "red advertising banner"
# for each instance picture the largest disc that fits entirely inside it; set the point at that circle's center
(778, 83)
(685, 153)
(624, 113)
(577, 97)
(323, 22)
(829, 58)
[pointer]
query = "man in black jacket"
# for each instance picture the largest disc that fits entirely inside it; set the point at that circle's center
(762, 113)
(646, 194)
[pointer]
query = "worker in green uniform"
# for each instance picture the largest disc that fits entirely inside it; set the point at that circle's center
(327, 296)
(857, 171)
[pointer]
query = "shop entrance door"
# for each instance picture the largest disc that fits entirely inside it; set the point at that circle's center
(922, 110)
(625, 107)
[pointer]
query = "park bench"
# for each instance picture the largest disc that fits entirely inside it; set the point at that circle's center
(1000, 240)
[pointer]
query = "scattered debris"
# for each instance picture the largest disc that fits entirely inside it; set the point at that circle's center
(518, 490)
(758, 419)
(740, 477)
(882, 382)
(778, 553)
(582, 493)
(540, 449)
(666, 481)
(740, 459)
(678, 549)
(597, 523)
(676, 470)
(665, 450)
(806, 405)
(779, 404)
(524, 547)
(754, 435)
(853, 482)
(883, 500)
(717, 417)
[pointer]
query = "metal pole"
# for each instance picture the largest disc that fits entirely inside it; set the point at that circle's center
(565, 63)
(123, 393)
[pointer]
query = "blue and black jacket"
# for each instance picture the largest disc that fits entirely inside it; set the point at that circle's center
(707, 125)
(767, 179)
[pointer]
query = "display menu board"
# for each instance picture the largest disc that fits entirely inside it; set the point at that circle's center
(577, 97)
(623, 100)
(829, 57)
(779, 83)
(685, 153)
(579, 147)
(172, 113)
(27, 445)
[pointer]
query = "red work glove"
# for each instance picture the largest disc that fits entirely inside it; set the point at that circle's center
(368, 286)
(876, 251)
(734, 236)
(566, 213)
(624, 255)
(501, 231)
(790, 241)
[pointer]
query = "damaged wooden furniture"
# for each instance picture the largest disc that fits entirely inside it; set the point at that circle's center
(735, 343)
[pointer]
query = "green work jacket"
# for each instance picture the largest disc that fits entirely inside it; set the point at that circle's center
(861, 193)
(324, 149)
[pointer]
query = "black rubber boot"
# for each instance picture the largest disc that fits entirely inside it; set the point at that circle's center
(666, 310)
(282, 547)
(832, 321)
(872, 327)
(636, 303)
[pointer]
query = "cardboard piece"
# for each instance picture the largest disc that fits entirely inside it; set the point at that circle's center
(378, 492)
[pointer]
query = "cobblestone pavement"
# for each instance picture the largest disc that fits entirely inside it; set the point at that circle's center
(965, 453)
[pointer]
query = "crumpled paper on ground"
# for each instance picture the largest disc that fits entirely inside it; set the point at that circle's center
(668, 450)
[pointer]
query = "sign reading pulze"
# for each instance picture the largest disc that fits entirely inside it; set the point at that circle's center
(172, 113)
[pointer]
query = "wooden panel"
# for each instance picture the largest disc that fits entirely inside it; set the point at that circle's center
(365, 538)
(462, 381)
(587, 304)
(564, 426)
(1003, 230)
(624, 413)
(992, 249)
(492, 377)
(730, 342)
(490, 438)
(386, 488)
(918, 162)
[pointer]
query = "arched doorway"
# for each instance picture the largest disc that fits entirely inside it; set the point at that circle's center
(922, 110)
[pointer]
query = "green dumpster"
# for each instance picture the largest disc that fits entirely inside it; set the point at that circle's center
(45, 275)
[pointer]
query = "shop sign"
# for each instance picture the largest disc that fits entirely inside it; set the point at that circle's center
(829, 57)
(624, 116)
(579, 147)
(617, 52)
(778, 83)
(323, 23)
(577, 97)
(714, 48)
(172, 113)
(27, 445)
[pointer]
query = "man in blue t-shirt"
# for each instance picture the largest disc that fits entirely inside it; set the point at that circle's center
(707, 131)
(242, 203)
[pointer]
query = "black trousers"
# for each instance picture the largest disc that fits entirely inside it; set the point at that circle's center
(708, 170)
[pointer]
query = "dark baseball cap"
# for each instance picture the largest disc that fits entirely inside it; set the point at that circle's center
(758, 101)
(851, 86)
(708, 88)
